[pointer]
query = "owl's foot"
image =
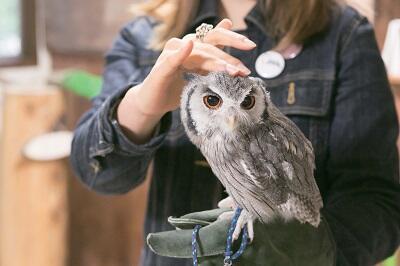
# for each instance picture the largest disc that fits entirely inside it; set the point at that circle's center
(227, 203)
(226, 215)
(245, 219)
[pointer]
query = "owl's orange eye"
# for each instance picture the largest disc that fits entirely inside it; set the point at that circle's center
(212, 101)
(248, 102)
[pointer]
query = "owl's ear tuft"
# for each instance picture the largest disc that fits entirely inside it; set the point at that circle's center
(258, 81)
(263, 85)
(190, 76)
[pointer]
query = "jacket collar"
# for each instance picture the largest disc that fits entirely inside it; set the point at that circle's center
(256, 17)
(208, 12)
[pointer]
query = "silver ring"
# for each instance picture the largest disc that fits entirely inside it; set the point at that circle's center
(202, 30)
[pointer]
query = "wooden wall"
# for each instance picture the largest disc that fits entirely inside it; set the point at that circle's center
(85, 26)
(103, 230)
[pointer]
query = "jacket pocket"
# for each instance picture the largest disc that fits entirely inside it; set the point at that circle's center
(307, 100)
(303, 93)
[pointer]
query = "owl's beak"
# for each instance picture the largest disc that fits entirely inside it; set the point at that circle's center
(231, 122)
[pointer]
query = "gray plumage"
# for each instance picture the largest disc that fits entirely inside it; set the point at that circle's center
(261, 157)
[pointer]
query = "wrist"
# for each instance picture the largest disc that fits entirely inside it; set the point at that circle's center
(141, 103)
(137, 124)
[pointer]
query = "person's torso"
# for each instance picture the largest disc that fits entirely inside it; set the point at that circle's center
(182, 181)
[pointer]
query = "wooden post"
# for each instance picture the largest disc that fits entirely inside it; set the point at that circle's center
(33, 195)
(103, 230)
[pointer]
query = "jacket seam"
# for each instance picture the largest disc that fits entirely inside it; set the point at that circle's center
(354, 25)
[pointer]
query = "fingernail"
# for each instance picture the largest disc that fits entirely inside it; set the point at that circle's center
(231, 69)
(247, 71)
(249, 42)
(244, 69)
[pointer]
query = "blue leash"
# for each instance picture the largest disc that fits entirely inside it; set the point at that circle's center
(229, 257)
(194, 244)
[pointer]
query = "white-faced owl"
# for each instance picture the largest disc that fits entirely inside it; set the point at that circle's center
(260, 156)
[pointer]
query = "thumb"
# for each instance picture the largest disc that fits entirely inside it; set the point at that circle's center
(174, 59)
(182, 53)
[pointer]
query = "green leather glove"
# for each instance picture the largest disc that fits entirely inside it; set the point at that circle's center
(277, 243)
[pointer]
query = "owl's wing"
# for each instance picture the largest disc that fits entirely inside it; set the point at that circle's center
(280, 161)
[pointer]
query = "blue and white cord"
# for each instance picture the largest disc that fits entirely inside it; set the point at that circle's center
(194, 244)
(229, 257)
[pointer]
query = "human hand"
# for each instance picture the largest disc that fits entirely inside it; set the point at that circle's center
(144, 105)
(160, 91)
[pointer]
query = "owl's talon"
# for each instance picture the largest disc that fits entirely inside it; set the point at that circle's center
(227, 203)
(250, 230)
(238, 228)
(244, 220)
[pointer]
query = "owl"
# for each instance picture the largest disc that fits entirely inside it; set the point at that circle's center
(260, 156)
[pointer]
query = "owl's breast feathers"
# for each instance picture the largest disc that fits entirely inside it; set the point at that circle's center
(268, 171)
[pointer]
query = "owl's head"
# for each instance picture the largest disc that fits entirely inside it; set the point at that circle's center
(220, 103)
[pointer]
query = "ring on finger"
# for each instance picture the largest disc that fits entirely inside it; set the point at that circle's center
(202, 30)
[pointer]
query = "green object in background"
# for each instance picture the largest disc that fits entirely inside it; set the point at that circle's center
(390, 261)
(82, 83)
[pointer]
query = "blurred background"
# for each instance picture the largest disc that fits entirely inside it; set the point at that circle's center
(51, 60)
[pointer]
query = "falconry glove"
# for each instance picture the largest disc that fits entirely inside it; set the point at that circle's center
(276, 243)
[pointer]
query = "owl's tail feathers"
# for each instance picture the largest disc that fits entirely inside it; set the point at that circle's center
(304, 209)
(315, 219)
(310, 210)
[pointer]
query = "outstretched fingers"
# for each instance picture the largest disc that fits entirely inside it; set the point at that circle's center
(175, 53)
(181, 54)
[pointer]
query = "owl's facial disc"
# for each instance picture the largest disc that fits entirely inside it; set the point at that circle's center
(219, 105)
(231, 113)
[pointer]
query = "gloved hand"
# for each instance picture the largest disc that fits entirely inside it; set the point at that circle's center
(277, 243)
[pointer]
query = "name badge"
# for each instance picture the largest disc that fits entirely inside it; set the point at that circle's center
(270, 64)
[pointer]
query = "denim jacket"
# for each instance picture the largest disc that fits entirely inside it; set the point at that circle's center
(335, 90)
